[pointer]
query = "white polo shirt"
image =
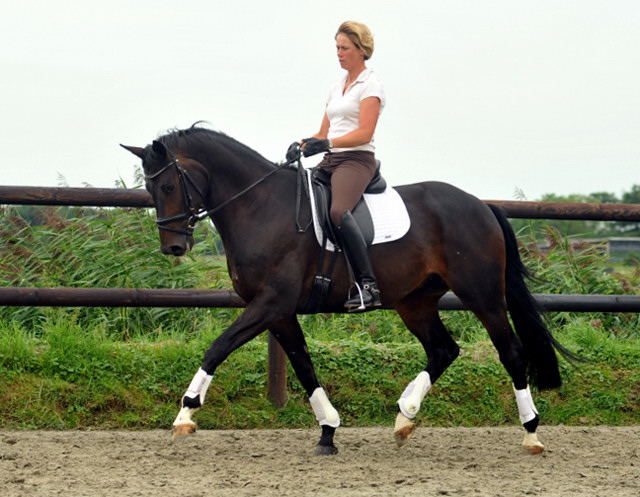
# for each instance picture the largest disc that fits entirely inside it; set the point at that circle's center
(343, 111)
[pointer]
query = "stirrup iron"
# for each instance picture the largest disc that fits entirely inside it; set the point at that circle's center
(352, 308)
(368, 290)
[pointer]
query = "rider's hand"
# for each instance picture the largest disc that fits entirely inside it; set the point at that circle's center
(293, 152)
(313, 146)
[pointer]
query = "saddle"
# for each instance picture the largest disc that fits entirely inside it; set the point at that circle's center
(321, 183)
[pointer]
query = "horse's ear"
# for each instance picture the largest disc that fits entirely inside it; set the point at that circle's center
(137, 151)
(159, 149)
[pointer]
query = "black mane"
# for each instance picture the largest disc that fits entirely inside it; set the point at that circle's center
(195, 136)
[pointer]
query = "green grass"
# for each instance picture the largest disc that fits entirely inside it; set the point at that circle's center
(63, 368)
(72, 378)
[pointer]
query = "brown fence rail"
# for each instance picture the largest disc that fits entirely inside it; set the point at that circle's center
(99, 197)
(165, 297)
(114, 197)
(114, 297)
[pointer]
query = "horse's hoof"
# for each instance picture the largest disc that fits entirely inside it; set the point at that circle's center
(182, 430)
(325, 450)
(534, 449)
(532, 444)
(403, 435)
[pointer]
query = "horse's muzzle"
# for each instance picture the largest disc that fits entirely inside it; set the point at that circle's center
(177, 246)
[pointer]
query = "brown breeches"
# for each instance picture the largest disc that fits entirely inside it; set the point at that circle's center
(351, 172)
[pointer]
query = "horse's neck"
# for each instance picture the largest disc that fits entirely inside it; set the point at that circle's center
(251, 188)
(236, 165)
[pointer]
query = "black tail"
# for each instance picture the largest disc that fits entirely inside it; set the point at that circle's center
(538, 343)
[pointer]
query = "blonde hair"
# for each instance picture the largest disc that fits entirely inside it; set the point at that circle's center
(360, 36)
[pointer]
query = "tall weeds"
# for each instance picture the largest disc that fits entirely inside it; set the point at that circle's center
(119, 248)
(115, 248)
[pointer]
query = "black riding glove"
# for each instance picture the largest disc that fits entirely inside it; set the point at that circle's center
(313, 146)
(293, 152)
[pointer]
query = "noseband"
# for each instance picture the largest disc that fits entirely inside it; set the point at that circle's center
(192, 213)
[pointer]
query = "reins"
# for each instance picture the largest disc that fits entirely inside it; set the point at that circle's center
(194, 214)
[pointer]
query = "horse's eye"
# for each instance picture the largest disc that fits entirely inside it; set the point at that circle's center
(167, 189)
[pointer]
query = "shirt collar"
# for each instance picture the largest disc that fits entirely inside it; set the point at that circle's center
(361, 77)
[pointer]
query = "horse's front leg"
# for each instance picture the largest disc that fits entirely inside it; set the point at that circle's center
(192, 401)
(291, 338)
(253, 321)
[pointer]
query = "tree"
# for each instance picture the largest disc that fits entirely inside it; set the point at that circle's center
(632, 197)
(632, 228)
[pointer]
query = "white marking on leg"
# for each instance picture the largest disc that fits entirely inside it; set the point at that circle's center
(531, 443)
(184, 417)
(526, 407)
(414, 394)
(322, 408)
(402, 422)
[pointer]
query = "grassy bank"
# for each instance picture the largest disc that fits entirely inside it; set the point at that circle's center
(127, 368)
(76, 378)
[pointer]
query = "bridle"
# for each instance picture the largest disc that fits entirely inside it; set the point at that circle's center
(192, 213)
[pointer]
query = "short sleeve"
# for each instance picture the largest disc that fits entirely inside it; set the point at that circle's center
(373, 88)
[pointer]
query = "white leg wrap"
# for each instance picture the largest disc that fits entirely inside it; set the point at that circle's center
(414, 394)
(526, 407)
(199, 385)
(322, 408)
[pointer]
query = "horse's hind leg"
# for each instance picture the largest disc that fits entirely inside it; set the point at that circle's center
(419, 312)
(512, 356)
(291, 338)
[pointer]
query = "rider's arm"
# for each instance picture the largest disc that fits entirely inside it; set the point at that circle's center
(324, 129)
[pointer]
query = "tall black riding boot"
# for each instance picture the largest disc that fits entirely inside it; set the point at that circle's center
(357, 253)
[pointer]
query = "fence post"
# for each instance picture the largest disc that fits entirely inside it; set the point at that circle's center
(277, 373)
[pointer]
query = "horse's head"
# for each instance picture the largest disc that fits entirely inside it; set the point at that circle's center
(174, 187)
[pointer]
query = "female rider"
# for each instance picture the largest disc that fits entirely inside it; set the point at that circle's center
(346, 135)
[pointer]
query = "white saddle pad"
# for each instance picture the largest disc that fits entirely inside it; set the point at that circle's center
(390, 217)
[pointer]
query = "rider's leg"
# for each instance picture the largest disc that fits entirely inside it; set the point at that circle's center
(357, 253)
(349, 180)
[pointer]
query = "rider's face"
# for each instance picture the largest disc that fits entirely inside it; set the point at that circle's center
(349, 55)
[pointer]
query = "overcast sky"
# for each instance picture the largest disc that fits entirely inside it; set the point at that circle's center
(492, 96)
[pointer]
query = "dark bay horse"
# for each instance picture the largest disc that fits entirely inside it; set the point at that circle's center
(456, 242)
